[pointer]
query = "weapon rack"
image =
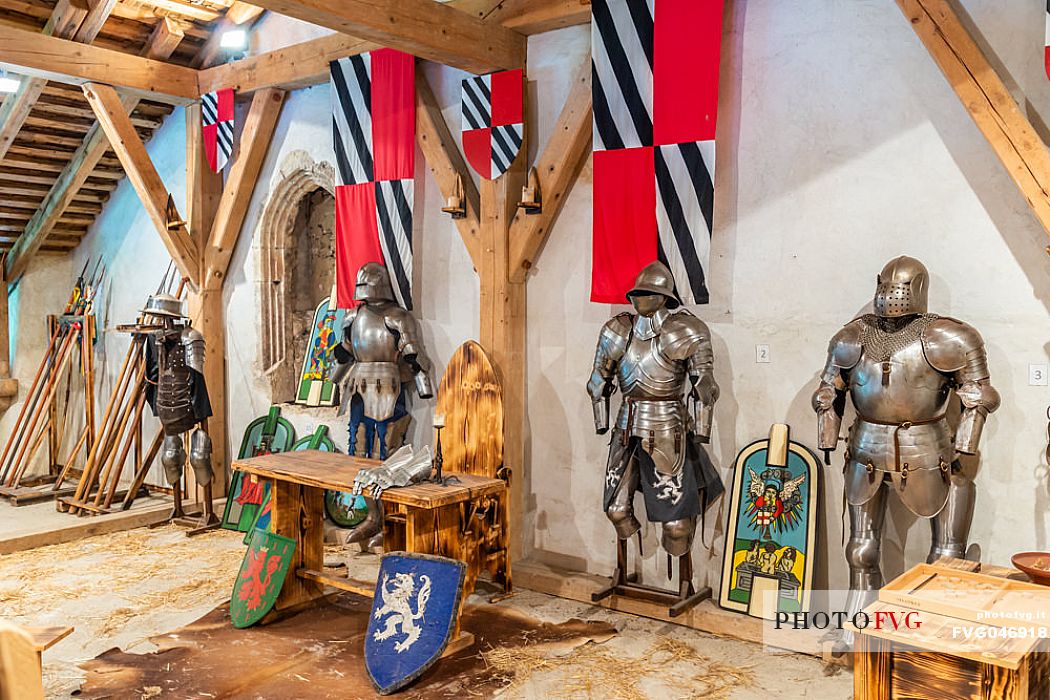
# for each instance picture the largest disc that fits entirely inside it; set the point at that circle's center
(40, 418)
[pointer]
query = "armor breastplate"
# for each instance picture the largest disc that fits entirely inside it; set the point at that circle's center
(652, 407)
(901, 427)
(174, 386)
(370, 338)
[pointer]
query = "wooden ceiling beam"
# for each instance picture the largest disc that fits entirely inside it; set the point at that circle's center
(982, 92)
(292, 67)
(63, 196)
(30, 53)
(423, 28)
(113, 118)
(16, 107)
(529, 16)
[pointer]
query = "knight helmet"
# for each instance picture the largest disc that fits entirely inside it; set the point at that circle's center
(161, 304)
(655, 278)
(902, 288)
(373, 283)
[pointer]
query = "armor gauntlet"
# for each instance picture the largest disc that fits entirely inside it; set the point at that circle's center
(400, 469)
(344, 358)
(703, 394)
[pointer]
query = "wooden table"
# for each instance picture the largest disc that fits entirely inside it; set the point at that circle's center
(424, 518)
(886, 666)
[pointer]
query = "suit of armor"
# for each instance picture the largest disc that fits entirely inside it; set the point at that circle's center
(900, 367)
(661, 360)
(381, 343)
(178, 395)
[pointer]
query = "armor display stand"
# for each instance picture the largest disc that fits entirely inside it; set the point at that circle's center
(626, 585)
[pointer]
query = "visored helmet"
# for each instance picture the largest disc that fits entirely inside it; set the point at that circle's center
(373, 283)
(902, 288)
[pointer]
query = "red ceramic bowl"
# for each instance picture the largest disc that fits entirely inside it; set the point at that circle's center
(1035, 564)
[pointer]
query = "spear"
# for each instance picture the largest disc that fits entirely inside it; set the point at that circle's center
(78, 288)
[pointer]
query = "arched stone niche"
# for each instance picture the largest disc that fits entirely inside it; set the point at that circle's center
(296, 265)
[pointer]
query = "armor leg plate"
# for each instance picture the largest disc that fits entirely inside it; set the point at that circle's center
(951, 526)
(677, 536)
(863, 551)
(200, 457)
(173, 458)
(621, 476)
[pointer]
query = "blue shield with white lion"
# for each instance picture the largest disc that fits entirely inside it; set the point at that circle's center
(414, 615)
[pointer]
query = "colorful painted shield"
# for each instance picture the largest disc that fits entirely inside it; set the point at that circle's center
(259, 581)
(493, 121)
(264, 435)
(315, 385)
(414, 614)
(345, 509)
(767, 564)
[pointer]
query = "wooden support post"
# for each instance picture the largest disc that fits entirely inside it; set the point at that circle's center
(982, 92)
(143, 176)
(503, 326)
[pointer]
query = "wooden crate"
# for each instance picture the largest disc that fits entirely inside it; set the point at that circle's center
(977, 597)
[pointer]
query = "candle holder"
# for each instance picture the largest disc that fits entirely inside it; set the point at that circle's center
(439, 460)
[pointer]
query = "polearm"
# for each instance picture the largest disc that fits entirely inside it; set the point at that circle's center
(30, 396)
(78, 288)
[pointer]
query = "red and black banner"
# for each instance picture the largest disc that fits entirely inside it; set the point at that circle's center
(655, 95)
(374, 130)
(217, 123)
(493, 121)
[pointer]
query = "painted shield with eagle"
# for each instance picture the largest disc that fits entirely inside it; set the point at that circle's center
(493, 121)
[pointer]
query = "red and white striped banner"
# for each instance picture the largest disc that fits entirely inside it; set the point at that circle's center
(374, 133)
(655, 94)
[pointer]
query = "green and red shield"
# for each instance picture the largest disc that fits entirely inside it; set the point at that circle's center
(259, 581)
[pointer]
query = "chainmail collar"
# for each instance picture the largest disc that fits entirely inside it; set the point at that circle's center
(882, 337)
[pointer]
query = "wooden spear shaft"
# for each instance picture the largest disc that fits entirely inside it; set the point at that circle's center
(118, 390)
(49, 390)
(140, 478)
(106, 444)
(131, 407)
(33, 387)
(72, 459)
(128, 442)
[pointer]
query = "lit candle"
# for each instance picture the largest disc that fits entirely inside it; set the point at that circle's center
(439, 420)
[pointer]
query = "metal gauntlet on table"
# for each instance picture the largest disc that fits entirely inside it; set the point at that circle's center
(402, 468)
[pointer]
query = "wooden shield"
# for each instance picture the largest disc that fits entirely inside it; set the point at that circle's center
(264, 435)
(414, 614)
(315, 385)
(771, 534)
(262, 574)
(471, 399)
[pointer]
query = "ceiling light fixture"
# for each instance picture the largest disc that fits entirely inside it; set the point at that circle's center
(234, 40)
(8, 82)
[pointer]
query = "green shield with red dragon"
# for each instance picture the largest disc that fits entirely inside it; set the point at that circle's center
(262, 574)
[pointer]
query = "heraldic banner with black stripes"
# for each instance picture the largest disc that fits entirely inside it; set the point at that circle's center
(374, 132)
(655, 93)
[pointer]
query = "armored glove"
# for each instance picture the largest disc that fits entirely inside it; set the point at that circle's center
(401, 469)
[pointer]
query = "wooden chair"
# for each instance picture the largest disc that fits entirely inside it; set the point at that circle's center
(20, 677)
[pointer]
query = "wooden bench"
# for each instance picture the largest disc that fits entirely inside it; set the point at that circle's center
(20, 677)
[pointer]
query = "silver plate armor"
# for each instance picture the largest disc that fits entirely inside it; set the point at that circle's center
(660, 360)
(901, 367)
(381, 345)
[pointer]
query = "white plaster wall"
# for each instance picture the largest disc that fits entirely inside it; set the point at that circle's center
(840, 146)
